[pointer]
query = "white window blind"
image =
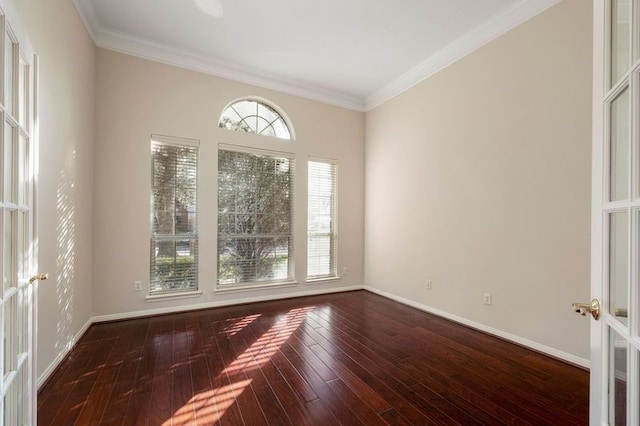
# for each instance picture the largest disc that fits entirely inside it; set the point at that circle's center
(321, 221)
(255, 217)
(174, 227)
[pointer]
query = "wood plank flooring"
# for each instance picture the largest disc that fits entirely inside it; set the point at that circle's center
(349, 358)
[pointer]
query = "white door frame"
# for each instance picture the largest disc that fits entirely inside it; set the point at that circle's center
(596, 398)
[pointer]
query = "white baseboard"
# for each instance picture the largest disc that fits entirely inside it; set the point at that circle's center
(129, 315)
(56, 362)
(219, 304)
(490, 330)
(169, 310)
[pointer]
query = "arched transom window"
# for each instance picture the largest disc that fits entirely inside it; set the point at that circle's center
(253, 116)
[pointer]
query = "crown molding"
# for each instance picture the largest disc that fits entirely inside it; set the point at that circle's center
(147, 49)
(88, 15)
(463, 46)
(466, 44)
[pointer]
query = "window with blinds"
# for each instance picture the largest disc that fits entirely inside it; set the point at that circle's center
(321, 221)
(174, 227)
(255, 216)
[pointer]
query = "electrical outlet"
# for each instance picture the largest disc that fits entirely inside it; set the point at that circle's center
(429, 284)
(345, 272)
(137, 286)
(487, 298)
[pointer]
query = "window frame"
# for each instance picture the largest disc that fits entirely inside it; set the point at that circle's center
(333, 234)
(195, 236)
(267, 104)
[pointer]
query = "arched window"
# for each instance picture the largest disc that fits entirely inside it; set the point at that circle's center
(253, 116)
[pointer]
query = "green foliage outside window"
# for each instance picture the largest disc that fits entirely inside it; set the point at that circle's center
(254, 217)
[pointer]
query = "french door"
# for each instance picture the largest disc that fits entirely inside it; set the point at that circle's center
(615, 338)
(18, 250)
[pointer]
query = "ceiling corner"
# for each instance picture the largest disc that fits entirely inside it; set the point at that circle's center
(463, 46)
(149, 50)
(89, 17)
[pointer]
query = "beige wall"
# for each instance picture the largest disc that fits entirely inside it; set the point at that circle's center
(67, 112)
(479, 179)
(137, 98)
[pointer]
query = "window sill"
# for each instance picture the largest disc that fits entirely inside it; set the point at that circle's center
(252, 287)
(322, 280)
(173, 296)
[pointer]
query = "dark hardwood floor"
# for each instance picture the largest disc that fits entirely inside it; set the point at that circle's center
(349, 358)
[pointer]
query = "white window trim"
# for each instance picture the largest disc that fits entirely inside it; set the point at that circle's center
(322, 280)
(276, 108)
(253, 286)
(256, 151)
(173, 296)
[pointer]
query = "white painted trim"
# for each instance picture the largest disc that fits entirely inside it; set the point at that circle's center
(88, 16)
(466, 44)
(463, 46)
(174, 140)
(481, 327)
(150, 50)
(56, 362)
(15, 23)
(219, 304)
(174, 309)
(270, 104)
(35, 174)
(253, 286)
(315, 281)
(163, 297)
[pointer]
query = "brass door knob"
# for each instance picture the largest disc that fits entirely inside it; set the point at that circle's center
(592, 308)
(38, 277)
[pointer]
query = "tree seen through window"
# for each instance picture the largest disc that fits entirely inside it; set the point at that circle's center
(255, 232)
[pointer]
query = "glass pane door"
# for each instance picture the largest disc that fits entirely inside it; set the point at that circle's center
(17, 384)
(620, 39)
(616, 213)
(615, 219)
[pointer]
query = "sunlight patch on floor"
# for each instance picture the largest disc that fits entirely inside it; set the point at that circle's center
(209, 406)
(238, 324)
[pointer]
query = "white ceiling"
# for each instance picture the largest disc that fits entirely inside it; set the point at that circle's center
(351, 53)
